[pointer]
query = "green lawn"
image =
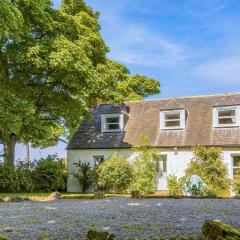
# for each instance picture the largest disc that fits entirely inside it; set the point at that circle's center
(90, 195)
(39, 196)
(2, 195)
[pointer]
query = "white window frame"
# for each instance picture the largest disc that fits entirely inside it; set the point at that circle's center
(95, 159)
(104, 122)
(182, 113)
(234, 167)
(226, 108)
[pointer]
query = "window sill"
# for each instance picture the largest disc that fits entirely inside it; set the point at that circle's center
(112, 131)
(226, 126)
(171, 129)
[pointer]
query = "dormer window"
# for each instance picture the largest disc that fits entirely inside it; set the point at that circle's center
(173, 119)
(226, 116)
(112, 122)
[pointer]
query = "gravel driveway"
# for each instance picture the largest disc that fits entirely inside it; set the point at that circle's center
(71, 219)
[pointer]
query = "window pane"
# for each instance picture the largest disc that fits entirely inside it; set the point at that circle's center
(226, 113)
(171, 116)
(98, 160)
(236, 161)
(157, 166)
(230, 120)
(172, 123)
(113, 126)
(236, 174)
(112, 120)
(164, 165)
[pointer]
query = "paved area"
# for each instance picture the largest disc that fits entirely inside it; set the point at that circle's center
(71, 219)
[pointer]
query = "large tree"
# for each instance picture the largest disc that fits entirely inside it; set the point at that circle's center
(53, 63)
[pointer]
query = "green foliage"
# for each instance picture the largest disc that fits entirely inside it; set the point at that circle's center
(208, 165)
(83, 174)
(10, 18)
(44, 175)
(8, 181)
(174, 186)
(236, 182)
(144, 167)
(218, 230)
(196, 190)
(52, 62)
(4, 238)
(17, 179)
(24, 178)
(115, 174)
(50, 175)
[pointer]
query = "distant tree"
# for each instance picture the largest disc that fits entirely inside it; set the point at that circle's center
(52, 64)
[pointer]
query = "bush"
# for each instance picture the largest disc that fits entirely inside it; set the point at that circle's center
(83, 174)
(174, 186)
(45, 175)
(24, 178)
(115, 174)
(8, 179)
(208, 165)
(50, 175)
(144, 168)
(236, 183)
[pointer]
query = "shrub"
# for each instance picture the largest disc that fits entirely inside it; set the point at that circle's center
(83, 174)
(144, 167)
(115, 174)
(236, 182)
(208, 165)
(196, 189)
(50, 174)
(174, 186)
(8, 179)
(24, 178)
(18, 179)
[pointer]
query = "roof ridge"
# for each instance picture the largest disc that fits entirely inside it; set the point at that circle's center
(183, 97)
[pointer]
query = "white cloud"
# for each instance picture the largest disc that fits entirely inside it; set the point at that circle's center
(225, 71)
(203, 8)
(139, 46)
(132, 42)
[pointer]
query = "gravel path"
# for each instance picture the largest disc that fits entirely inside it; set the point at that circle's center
(71, 219)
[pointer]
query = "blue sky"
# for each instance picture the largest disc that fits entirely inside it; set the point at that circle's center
(190, 46)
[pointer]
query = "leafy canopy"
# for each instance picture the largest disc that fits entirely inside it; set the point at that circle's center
(52, 64)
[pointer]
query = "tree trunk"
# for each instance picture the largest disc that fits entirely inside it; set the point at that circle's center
(28, 160)
(9, 151)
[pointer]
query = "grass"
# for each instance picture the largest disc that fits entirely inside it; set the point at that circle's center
(39, 196)
(45, 196)
(89, 195)
(6, 197)
(3, 238)
(2, 195)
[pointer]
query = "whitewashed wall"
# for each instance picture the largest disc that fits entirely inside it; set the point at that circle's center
(86, 156)
(177, 160)
(228, 154)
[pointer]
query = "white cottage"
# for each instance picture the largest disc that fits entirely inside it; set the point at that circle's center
(173, 126)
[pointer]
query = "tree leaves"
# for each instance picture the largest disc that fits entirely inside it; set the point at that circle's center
(52, 62)
(208, 165)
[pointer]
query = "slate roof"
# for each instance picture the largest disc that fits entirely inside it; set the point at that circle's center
(142, 117)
